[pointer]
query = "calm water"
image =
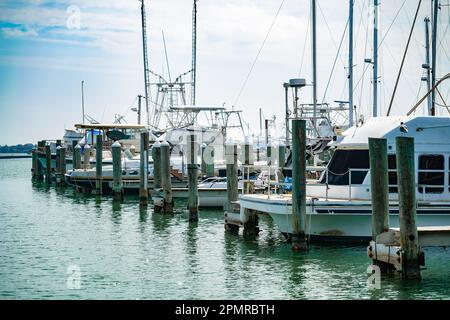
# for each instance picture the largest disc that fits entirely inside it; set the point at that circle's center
(127, 253)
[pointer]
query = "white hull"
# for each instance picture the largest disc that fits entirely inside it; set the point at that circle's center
(339, 220)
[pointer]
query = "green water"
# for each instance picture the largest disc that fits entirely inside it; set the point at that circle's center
(127, 253)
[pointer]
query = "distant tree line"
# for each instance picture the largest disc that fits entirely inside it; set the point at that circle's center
(20, 148)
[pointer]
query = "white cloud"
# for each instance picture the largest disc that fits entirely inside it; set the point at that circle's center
(19, 32)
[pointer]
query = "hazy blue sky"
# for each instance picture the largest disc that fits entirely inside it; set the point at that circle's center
(42, 61)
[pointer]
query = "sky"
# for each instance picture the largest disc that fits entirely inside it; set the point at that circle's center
(48, 47)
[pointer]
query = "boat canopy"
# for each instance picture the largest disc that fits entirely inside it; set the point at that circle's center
(104, 126)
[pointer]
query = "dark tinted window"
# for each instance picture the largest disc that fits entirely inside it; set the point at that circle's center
(342, 161)
(435, 175)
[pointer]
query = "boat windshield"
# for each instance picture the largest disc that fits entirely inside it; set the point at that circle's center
(344, 161)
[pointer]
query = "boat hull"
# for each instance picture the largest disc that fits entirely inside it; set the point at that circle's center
(338, 221)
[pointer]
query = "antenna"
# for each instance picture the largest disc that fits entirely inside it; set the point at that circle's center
(144, 48)
(194, 52)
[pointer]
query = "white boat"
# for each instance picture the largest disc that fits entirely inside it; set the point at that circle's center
(339, 203)
(212, 192)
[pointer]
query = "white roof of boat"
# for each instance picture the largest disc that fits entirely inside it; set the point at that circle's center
(424, 129)
(109, 126)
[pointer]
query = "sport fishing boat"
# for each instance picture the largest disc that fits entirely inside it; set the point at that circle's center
(339, 203)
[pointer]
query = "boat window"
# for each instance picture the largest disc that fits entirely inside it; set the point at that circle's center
(431, 173)
(392, 175)
(340, 164)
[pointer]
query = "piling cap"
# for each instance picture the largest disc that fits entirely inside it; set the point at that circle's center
(58, 147)
(204, 145)
(78, 146)
(116, 144)
(157, 144)
(282, 143)
(86, 146)
(164, 144)
(248, 140)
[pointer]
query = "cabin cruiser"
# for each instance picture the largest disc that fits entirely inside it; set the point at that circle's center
(339, 203)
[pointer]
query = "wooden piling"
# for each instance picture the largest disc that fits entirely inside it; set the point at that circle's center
(409, 240)
(156, 156)
(48, 164)
(34, 163)
(193, 177)
(231, 155)
(299, 242)
(77, 157)
(98, 164)
(39, 168)
(251, 226)
(58, 162)
(74, 144)
(203, 163)
(117, 171)
(379, 185)
(87, 157)
(210, 170)
(58, 143)
(143, 181)
(166, 182)
(269, 154)
(62, 164)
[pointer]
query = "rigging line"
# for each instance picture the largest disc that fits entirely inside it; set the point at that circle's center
(365, 55)
(304, 46)
(259, 52)
(167, 58)
(419, 45)
(382, 39)
(335, 60)
(329, 31)
(404, 57)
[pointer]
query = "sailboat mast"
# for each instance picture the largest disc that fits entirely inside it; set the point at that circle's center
(144, 48)
(427, 62)
(350, 65)
(375, 59)
(194, 52)
(433, 55)
(314, 60)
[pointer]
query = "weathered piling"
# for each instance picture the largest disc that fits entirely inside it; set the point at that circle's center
(74, 144)
(409, 240)
(77, 157)
(258, 156)
(269, 154)
(34, 164)
(48, 164)
(251, 225)
(210, 170)
(231, 156)
(98, 164)
(299, 241)
(57, 163)
(156, 156)
(192, 177)
(379, 185)
(204, 165)
(87, 157)
(143, 182)
(39, 174)
(58, 143)
(61, 151)
(117, 187)
(166, 183)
